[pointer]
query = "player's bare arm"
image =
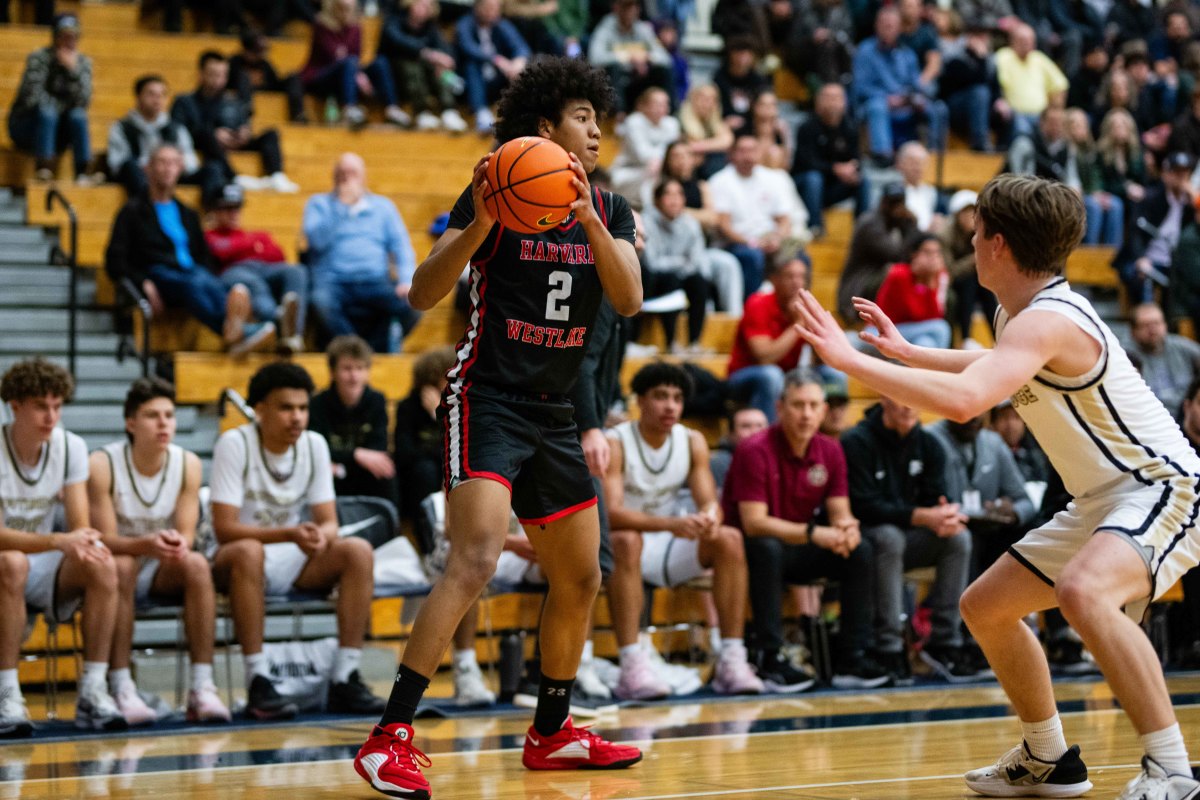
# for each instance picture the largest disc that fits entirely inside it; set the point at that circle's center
(891, 344)
(187, 507)
(1042, 339)
(700, 481)
(229, 528)
(627, 519)
(437, 274)
(103, 516)
(616, 260)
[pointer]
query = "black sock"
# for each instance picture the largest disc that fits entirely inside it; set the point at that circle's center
(554, 705)
(407, 691)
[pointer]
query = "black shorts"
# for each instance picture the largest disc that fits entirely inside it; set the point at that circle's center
(528, 443)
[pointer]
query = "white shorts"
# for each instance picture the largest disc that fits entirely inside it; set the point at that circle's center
(670, 560)
(1158, 521)
(147, 571)
(282, 564)
(41, 587)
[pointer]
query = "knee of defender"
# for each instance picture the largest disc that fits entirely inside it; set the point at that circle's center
(14, 570)
(583, 586)
(1076, 595)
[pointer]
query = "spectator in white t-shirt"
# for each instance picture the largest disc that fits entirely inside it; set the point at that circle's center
(645, 136)
(274, 516)
(758, 210)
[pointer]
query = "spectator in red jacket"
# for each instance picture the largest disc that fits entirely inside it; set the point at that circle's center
(278, 290)
(913, 295)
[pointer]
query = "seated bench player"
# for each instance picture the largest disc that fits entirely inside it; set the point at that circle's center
(50, 572)
(276, 523)
(144, 497)
(651, 460)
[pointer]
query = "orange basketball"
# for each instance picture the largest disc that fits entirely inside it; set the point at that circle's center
(530, 184)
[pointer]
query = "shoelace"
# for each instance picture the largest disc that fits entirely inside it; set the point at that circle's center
(415, 757)
(1010, 759)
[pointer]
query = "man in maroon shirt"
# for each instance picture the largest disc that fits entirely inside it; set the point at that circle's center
(278, 290)
(780, 483)
(767, 345)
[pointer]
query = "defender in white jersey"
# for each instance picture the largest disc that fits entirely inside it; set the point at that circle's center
(144, 496)
(651, 461)
(275, 518)
(41, 467)
(1131, 531)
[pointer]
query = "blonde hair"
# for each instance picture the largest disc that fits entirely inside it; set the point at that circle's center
(695, 127)
(1119, 155)
(328, 19)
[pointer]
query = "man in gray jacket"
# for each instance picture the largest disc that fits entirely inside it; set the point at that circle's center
(983, 478)
(135, 136)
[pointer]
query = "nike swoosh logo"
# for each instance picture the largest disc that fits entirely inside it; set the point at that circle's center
(533, 740)
(547, 221)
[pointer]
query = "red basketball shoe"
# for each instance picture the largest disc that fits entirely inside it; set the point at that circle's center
(576, 748)
(391, 763)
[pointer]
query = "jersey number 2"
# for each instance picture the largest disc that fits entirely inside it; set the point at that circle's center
(560, 290)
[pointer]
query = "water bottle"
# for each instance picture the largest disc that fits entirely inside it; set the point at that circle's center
(512, 664)
(453, 81)
(331, 111)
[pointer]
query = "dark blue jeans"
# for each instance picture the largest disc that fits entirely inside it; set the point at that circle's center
(479, 90)
(341, 81)
(354, 307)
(196, 289)
(969, 110)
(47, 132)
(818, 194)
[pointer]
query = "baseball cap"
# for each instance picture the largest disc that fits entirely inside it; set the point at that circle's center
(66, 22)
(836, 391)
(964, 198)
(1178, 160)
(228, 196)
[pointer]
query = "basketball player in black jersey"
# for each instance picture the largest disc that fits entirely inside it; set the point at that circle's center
(509, 438)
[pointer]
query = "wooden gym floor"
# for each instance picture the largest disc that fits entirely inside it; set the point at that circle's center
(895, 744)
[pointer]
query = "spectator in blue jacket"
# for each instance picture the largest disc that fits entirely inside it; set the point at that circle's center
(361, 257)
(889, 91)
(490, 54)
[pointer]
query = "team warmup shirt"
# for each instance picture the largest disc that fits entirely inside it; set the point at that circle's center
(271, 491)
(29, 494)
(144, 504)
(534, 298)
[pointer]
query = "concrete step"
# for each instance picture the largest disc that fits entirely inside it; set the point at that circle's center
(109, 417)
(56, 343)
(87, 368)
(34, 253)
(54, 320)
(11, 235)
(34, 274)
(12, 212)
(45, 296)
(92, 392)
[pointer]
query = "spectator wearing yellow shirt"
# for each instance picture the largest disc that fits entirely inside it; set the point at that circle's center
(1029, 82)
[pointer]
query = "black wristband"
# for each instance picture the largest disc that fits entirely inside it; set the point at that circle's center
(809, 531)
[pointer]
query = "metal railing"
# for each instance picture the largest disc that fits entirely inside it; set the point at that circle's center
(239, 402)
(72, 262)
(142, 305)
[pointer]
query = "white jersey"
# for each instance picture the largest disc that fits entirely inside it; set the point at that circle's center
(1105, 427)
(272, 491)
(654, 477)
(29, 494)
(144, 504)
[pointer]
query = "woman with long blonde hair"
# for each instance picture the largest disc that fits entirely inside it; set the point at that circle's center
(704, 128)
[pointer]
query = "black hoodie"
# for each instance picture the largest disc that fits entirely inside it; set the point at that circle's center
(889, 475)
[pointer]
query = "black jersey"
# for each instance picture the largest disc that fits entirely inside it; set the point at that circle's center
(534, 297)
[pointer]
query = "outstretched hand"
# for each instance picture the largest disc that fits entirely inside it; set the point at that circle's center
(818, 327)
(888, 340)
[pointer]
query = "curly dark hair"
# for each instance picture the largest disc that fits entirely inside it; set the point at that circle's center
(662, 373)
(143, 390)
(542, 90)
(36, 377)
(278, 375)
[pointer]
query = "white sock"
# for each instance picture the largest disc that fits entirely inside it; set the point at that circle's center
(93, 677)
(202, 676)
(118, 679)
(1167, 748)
(589, 652)
(9, 682)
(733, 648)
(256, 664)
(464, 658)
(346, 661)
(1045, 738)
(628, 652)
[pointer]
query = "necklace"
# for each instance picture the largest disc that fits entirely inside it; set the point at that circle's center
(133, 479)
(637, 442)
(278, 477)
(16, 462)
